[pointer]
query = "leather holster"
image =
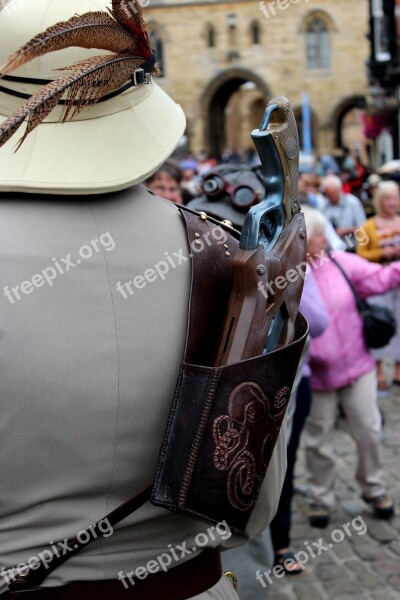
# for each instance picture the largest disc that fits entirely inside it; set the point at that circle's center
(224, 421)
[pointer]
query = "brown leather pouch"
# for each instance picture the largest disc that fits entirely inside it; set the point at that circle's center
(224, 421)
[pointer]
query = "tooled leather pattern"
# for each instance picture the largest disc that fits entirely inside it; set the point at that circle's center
(237, 438)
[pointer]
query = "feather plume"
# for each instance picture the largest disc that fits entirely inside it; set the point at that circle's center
(89, 80)
(120, 31)
(129, 13)
(90, 30)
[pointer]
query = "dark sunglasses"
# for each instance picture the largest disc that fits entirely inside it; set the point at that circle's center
(242, 196)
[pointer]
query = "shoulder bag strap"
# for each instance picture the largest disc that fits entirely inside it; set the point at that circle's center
(360, 303)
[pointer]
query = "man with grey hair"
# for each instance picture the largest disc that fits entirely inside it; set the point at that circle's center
(344, 211)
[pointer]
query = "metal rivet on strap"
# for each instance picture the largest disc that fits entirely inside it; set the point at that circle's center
(227, 223)
(197, 235)
(226, 246)
(198, 243)
(203, 216)
(228, 253)
(234, 579)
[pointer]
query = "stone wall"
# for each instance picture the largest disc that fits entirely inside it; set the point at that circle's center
(201, 78)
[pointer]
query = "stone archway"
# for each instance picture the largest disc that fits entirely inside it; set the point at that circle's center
(340, 112)
(348, 128)
(215, 99)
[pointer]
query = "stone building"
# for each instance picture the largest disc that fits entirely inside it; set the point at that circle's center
(222, 61)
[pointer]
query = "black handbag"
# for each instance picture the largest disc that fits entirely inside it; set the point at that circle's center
(379, 322)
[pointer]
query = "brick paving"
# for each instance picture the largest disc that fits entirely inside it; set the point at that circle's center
(361, 567)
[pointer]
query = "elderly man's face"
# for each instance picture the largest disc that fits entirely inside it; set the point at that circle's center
(333, 194)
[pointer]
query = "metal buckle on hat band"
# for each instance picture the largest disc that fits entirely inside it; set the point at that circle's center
(140, 76)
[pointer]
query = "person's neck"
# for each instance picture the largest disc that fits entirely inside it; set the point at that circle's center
(387, 216)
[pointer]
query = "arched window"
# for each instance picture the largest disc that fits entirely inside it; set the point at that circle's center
(157, 45)
(232, 30)
(317, 43)
(211, 37)
(255, 33)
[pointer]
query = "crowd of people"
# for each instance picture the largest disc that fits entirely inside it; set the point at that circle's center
(353, 220)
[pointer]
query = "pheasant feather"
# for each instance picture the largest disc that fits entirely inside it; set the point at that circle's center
(90, 30)
(89, 80)
(121, 31)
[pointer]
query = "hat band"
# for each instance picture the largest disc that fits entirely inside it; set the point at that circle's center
(141, 75)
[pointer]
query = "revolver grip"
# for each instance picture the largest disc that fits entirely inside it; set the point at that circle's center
(288, 148)
(279, 124)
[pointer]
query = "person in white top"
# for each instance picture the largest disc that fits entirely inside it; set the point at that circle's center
(344, 211)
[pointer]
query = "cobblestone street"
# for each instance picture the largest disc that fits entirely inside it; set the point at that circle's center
(361, 567)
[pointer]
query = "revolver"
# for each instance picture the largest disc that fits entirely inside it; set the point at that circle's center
(269, 267)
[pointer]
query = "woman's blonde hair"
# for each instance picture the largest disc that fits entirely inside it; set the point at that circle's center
(385, 188)
(315, 221)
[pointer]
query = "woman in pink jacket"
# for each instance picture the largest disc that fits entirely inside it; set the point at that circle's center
(343, 370)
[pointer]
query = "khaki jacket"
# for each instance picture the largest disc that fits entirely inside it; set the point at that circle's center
(92, 327)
